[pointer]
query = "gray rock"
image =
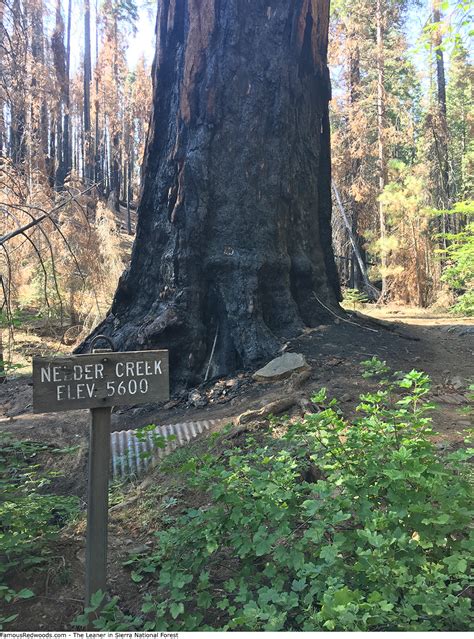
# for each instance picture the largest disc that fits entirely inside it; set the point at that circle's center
(281, 367)
(196, 399)
(452, 398)
(457, 382)
(139, 550)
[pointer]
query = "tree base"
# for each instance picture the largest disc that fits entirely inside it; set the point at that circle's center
(234, 223)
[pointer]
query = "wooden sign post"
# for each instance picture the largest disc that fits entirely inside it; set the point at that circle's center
(99, 381)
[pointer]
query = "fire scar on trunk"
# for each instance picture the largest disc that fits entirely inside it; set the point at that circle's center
(202, 17)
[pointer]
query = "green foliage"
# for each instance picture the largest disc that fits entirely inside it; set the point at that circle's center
(29, 517)
(105, 614)
(355, 297)
(374, 367)
(7, 366)
(158, 441)
(456, 25)
(126, 11)
(13, 320)
(459, 271)
(334, 525)
(460, 107)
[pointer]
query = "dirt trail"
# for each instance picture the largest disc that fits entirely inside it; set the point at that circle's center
(441, 345)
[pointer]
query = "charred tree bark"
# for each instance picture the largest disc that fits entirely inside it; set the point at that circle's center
(234, 230)
(39, 143)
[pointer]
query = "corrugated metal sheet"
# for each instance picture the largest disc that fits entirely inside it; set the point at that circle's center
(131, 455)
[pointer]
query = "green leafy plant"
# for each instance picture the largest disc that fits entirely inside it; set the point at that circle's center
(458, 256)
(157, 441)
(29, 516)
(15, 319)
(105, 614)
(335, 525)
(8, 367)
(374, 367)
(355, 297)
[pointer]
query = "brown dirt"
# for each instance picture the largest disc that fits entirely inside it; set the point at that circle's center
(433, 342)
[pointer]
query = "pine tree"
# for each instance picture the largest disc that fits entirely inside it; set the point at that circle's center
(374, 114)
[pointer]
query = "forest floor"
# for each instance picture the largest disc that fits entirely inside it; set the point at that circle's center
(433, 342)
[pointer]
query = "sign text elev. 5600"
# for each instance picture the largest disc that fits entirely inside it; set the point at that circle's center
(99, 379)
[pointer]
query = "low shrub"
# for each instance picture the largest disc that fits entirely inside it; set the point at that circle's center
(29, 515)
(334, 525)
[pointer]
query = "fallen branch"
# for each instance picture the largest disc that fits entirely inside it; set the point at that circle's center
(372, 292)
(212, 354)
(388, 326)
(343, 319)
(273, 408)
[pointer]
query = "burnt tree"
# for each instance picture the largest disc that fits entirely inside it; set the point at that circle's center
(234, 229)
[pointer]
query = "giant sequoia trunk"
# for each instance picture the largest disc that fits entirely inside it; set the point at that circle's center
(234, 231)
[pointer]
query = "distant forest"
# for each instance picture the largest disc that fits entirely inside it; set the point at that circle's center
(72, 142)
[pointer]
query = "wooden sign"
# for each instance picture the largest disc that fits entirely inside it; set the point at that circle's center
(99, 380)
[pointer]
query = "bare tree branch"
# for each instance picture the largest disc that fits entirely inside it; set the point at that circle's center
(36, 221)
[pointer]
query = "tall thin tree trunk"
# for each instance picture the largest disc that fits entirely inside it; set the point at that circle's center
(88, 171)
(40, 133)
(3, 146)
(353, 73)
(441, 124)
(381, 140)
(19, 76)
(97, 160)
(115, 176)
(367, 286)
(67, 155)
(129, 195)
(130, 153)
(59, 58)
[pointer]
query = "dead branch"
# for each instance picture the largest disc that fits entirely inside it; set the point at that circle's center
(36, 221)
(343, 319)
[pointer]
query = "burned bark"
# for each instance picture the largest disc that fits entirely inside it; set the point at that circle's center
(234, 223)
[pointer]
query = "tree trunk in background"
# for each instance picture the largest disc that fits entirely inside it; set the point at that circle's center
(3, 145)
(440, 130)
(59, 58)
(3, 377)
(40, 120)
(234, 230)
(353, 72)
(381, 141)
(115, 174)
(18, 106)
(98, 174)
(88, 168)
(67, 154)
